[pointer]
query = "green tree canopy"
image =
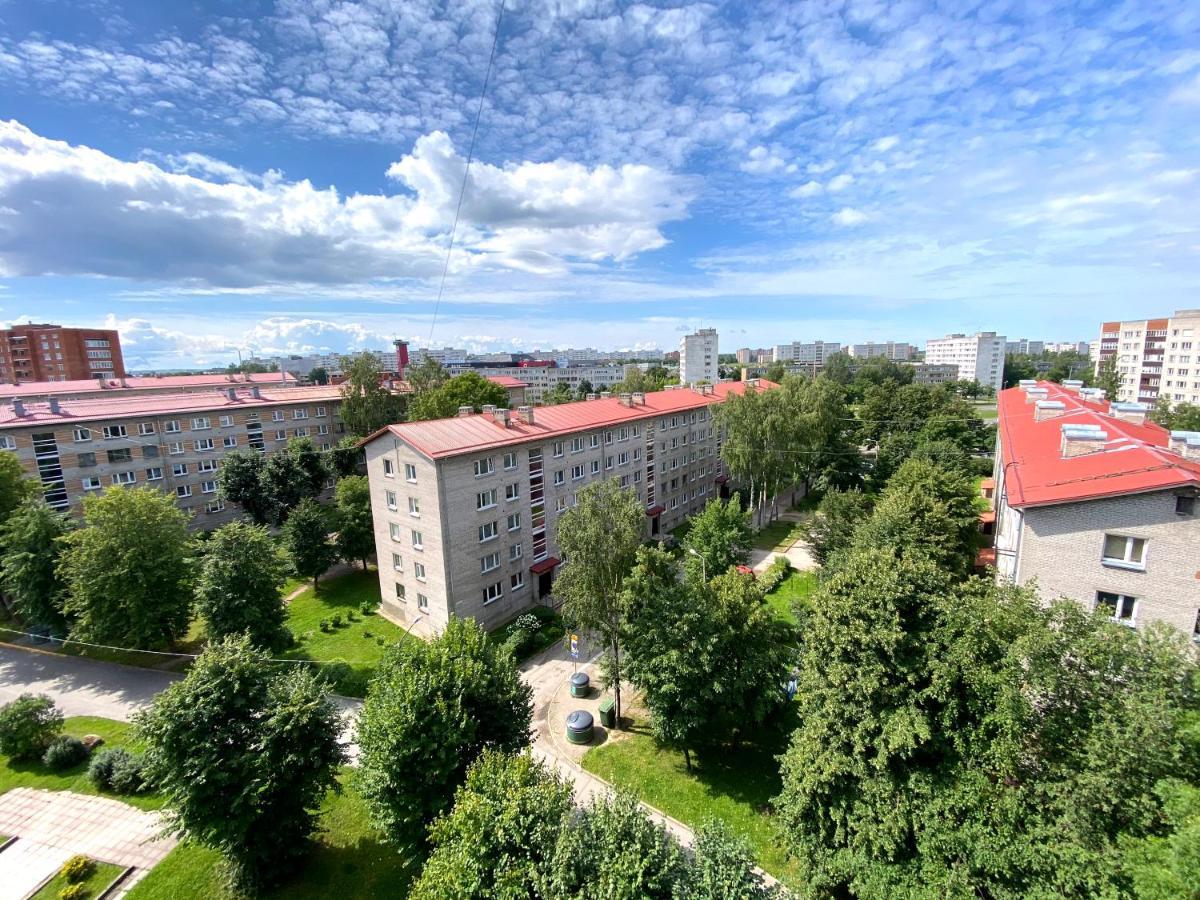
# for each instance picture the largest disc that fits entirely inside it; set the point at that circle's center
(129, 570)
(433, 708)
(1108, 378)
(585, 388)
(29, 564)
(367, 405)
(831, 528)
(560, 393)
(239, 589)
(306, 537)
(599, 537)
(428, 375)
(722, 868)
(240, 481)
(244, 754)
(319, 375)
(1176, 416)
(352, 518)
(468, 389)
(15, 488)
(720, 534)
(298, 472)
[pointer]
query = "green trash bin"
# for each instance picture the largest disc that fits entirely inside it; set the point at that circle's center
(608, 713)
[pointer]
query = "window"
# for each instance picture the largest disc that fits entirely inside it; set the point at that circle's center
(184, 490)
(85, 459)
(560, 504)
(577, 445)
(560, 476)
(418, 540)
(394, 531)
(514, 522)
(1129, 552)
(492, 592)
(214, 506)
(115, 431)
(484, 467)
(576, 472)
(595, 467)
(516, 580)
(1121, 607)
(389, 470)
(281, 435)
(485, 499)
(422, 601)
(146, 428)
(200, 423)
(397, 562)
(92, 483)
(1185, 506)
(514, 552)
(204, 445)
(206, 465)
(410, 472)
(120, 456)
(399, 592)
(510, 460)
(154, 473)
(226, 421)
(489, 563)
(608, 462)
(1196, 629)
(414, 506)
(230, 440)
(277, 415)
(608, 437)
(558, 448)
(623, 458)
(83, 434)
(208, 487)
(179, 470)
(171, 427)
(175, 448)
(7, 443)
(390, 499)
(593, 440)
(623, 434)
(487, 532)
(419, 571)
(320, 412)
(300, 414)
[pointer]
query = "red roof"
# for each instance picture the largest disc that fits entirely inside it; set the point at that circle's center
(1134, 458)
(544, 566)
(142, 383)
(92, 409)
(469, 434)
(506, 381)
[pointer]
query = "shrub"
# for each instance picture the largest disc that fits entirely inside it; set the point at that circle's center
(774, 574)
(336, 620)
(77, 868)
(64, 752)
(73, 892)
(28, 726)
(119, 771)
(332, 674)
(367, 609)
(326, 625)
(528, 622)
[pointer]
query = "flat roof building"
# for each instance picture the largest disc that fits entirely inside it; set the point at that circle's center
(1154, 357)
(898, 351)
(979, 357)
(45, 352)
(698, 357)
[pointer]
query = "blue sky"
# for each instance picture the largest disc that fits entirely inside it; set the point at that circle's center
(282, 176)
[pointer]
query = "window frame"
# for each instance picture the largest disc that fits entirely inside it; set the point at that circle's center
(1126, 561)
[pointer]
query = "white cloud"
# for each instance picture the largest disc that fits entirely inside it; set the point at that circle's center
(884, 144)
(761, 161)
(847, 215)
(280, 335)
(72, 210)
(808, 189)
(820, 168)
(840, 182)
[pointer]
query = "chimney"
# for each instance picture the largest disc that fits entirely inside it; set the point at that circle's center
(1185, 443)
(1026, 383)
(18, 406)
(1073, 385)
(525, 414)
(256, 393)
(489, 408)
(745, 374)
(592, 396)
(123, 383)
(625, 399)
(1129, 412)
(464, 411)
(100, 381)
(604, 395)
(1048, 409)
(1033, 394)
(1095, 395)
(501, 417)
(231, 393)
(638, 398)
(54, 407)
(1080, 440)
(401, 356)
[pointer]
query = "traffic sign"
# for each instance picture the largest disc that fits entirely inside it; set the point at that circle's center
(575, 646)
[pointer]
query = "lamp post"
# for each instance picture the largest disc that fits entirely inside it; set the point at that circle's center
(703, 564)
(414, 622)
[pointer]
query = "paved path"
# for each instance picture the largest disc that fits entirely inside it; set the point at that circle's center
(799, 554)
(24, 865)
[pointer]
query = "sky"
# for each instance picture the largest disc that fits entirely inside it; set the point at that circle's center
(218, 176)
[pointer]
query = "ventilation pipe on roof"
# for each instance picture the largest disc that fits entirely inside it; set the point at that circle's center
(103, 384)
(745, 374)
(18, 406)
(1074, 385)
(1033, 394)
(626, 399)
(123, 382)
(1048, 409)
(502, 417)
(1026, 383)
(1080, 440)
(593, 396)
(1185, 443)
(464, 411)
(604, 395)
(489, 408)
(54, 407)
(637, 398)
(1129, 412)
(256, 393)
(525, 414)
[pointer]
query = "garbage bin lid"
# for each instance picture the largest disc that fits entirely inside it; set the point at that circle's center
(579, 720)
(606, 704)
(579, 679)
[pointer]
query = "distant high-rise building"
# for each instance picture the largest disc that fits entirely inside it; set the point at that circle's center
(979, 357)
(745, 355)
(812, 352)
(1024, 347)
(1155, 357)
(698, 357)
(894, 350)
(1080, 347)
(44, 352)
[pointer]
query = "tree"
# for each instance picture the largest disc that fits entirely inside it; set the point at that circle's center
(29, 565)
(560, 393)
(299, 472)
(776, 372)
(1108, 378)
(599, 538)
(28, 726)
(367, 405)
(306, 536)
(319, 375)
(614, 851)
(720, 535)
(433, 707)
(585, 388)
(240, 481)
(243, 754)
(722, 868)
(15, 488)
(429, 375)
(129, 570)
(468, 389)
(498, 839)
(1176, 417)
(352, 517)
(831, 528)
(240, 586)
(1164, 866)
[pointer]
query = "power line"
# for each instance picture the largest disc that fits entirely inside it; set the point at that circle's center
(467, 171)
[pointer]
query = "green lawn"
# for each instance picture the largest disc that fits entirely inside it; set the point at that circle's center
(797, 586)
(104, 875)
(347, 861)
(777, 536)
(360, 639)
(35, 775)
(735, 786)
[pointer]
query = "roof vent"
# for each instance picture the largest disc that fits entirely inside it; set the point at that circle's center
(1080, 440)
(592, 396)
(604, 395)
(626, 399)
(54, 407)
(1026, 383)
(489, 408)
(1185, 443)
(1048, 409)
(464, 411)
(1036, 393)
(502, 417)
(231, 393)
(18, 406)
(256, 393)
(637, 398)
(1073, 385)
(1129, 412)
(525, 414)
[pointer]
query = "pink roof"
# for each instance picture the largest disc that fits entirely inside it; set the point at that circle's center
(468, 434)
(1135, 458)
(506, 381)
(141, 382)
(92, 409)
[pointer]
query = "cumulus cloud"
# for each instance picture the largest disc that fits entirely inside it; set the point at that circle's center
(762, 161)
(884, 144)
(840, 182)
(848, 215)
(73, 210)
(808, 189)
(280, 335)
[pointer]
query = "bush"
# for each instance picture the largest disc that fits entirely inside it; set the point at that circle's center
(73, 892)
(332, 674)
(28, 726)
(774, 574)
(77, 868)
(336, 620)
(118, 771)
(64, 752)
(367, 609)
(326, 625)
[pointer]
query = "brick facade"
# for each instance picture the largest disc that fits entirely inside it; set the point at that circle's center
(54, 353)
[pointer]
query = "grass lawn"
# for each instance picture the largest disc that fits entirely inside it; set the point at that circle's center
(734, 786)
(32, 774)
(104, 875)
(360, 639)
(192, 643)
(347, 860)
(777, 536)
(795, 587)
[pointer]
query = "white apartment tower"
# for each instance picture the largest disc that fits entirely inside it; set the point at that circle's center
(698, 357)
(1155, 357)
(979, 357)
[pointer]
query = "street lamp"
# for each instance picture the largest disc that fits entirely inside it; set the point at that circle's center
(414, 622)
(703, 565)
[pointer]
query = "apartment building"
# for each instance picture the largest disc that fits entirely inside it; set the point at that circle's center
(1080, 347)
(898, 351)
(934, 373)
(1024, 347)
(45, 352)
(136, 386)
(698, 357)
(811, 353)
(979, 357)
(173, 441)
(536, 381)
(1098, 504)
(466, 509)
(1155, 357)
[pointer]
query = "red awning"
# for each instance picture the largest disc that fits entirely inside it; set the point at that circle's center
(721, 479)
(989, 516)
(544, 566)
(655, 511)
